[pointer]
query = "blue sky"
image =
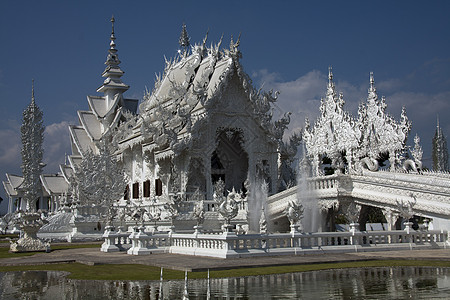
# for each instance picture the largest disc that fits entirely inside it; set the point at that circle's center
(286, 45)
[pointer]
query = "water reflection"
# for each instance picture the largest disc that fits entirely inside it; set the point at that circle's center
(370, 283)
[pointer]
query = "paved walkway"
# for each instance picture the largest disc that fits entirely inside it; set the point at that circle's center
(93, 256)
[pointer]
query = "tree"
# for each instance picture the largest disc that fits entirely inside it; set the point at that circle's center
(32, 134)
(440, 151)
(99, 180)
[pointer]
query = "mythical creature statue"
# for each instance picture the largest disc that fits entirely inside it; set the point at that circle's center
(199, 212)
(294, 212)
(262, 222)
(229, 206)
(351, 211)
(369, 164)
(414, 164)
(406, 208)
(173, 207)
(138, 215)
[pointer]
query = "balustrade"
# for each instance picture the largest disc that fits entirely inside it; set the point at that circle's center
(273, 243)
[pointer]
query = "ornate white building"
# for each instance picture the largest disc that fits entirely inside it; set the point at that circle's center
(204, 123)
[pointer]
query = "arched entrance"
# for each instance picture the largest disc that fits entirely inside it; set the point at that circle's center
(229, 161)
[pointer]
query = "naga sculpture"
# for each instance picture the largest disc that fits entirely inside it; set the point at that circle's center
(228, 206)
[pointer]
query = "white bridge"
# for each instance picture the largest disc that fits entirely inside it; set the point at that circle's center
(430, 191)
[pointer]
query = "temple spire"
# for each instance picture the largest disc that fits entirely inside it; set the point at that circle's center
(32, 92)
(330, 76)
(331, 90)
(112, 73)
(113, 37)
(372, 83)
(184, 41)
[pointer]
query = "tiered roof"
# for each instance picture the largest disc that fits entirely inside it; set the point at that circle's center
(105, 111)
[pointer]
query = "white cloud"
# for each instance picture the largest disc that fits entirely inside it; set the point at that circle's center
(301, 97)
(10, 148)
(56, 145)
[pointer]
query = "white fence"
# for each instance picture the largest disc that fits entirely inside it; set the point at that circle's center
(230, 244)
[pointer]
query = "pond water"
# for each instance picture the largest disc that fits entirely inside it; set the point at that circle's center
(363, 283)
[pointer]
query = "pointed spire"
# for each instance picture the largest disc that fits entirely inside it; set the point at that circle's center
(112, 59)
(330, 77)
(112, 72)
(372, 83)
(113, 37)
(184, 40)
(330, 90)
(32, 92)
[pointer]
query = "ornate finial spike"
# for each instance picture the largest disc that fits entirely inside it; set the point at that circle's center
(205, 38)
(372, 81)
(32, 90)
(437, 126)
(184, 40)
(113, 37)
(112, 24)
(330, 73)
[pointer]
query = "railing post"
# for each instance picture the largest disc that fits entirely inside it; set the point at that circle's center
(109, 244)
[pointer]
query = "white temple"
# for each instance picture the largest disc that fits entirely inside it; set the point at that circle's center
(204, 127)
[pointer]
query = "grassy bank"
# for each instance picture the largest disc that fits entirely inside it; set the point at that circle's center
(4, 250)
(142, 272)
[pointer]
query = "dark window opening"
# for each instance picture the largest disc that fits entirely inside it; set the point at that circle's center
(215, 162)
(217, 177)
(158, 187)
(126, 193)
(147, 188)
(136, 190)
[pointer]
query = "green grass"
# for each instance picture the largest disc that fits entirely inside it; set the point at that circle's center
(4, 250)
(4, 253)
(12, 236)
(142, 272)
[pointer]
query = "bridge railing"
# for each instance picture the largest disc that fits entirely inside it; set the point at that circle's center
(322, 183)
(223, 245)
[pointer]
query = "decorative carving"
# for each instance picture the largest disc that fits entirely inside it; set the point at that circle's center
(339, 137)
(351, 211)
(99, 180)
(199, 212)
(405, 208)
(262, 222)
(30, 223)
(294, 212)
(32, 135)
(227, 206)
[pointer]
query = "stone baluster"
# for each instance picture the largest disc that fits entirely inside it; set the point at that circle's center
(109, 245)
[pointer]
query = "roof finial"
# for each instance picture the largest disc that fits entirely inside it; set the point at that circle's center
(184, 40)
(112, 44)
(437, 122)
(112, 24)
(372, 83)
(32, 91)
(330, 74)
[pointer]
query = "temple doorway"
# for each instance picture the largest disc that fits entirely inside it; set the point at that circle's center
(229, 161)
